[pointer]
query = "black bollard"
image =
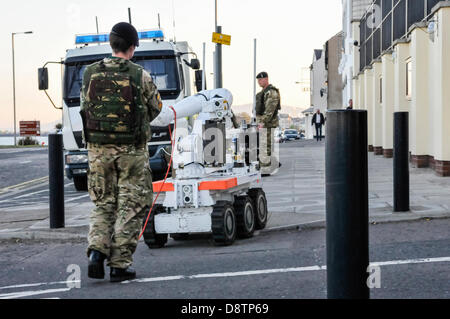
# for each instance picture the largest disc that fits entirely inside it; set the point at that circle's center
(347, 205)
(401, 162)
(56, 180)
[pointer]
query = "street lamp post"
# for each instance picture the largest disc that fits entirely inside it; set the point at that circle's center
(14, 83)
(218, 56)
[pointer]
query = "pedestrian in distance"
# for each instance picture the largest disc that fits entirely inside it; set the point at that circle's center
(350, 105)
(268, 104)
(118, 103)
(318, 121)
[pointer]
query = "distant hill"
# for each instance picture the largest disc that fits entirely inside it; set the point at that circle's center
(285, 109)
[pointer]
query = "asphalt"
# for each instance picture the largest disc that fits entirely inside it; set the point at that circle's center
(413, 258)
(295, 195)
(19, 165)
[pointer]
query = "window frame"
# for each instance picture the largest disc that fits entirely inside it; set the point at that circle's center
(409, 70)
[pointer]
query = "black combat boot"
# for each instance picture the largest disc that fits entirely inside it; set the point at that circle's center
(96, 269)
(119, 275)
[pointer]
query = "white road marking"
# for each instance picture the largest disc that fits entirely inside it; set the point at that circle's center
(285, 270)
(228, 274)
(22, 294)
(30, 194)
(76, 198)
(38, 192)
(41, 197)
(212, 275)
(26, 162)
(258, 272)
(156, 279)
(411, 261)
(40, 284)
(10, 230)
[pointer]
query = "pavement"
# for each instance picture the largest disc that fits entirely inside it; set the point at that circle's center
(295, 195)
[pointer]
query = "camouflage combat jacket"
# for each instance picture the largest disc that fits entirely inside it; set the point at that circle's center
(268, 104)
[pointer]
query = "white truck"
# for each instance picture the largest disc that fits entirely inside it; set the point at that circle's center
(166, 61)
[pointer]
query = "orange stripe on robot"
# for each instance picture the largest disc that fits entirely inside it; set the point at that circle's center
(204, 186)
(218, 185)
(167, 187)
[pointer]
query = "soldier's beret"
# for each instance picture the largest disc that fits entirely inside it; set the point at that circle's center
(262, 75)
(127, 32)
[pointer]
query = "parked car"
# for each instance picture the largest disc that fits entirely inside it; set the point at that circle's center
(291, 135)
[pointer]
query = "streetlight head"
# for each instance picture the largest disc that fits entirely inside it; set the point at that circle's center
(29, 32)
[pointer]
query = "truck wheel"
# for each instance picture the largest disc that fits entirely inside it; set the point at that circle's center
(245, 217)
(179, 237)
(81, 184)
(223, 220)
(260, 203)
(151, 238)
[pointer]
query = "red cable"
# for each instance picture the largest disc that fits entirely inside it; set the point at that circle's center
(172, 141)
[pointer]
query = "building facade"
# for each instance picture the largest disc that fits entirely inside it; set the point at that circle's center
(403, 66)
(326, 82)
(353, 10)
(318, 79)
(319, 90)
(333, 56)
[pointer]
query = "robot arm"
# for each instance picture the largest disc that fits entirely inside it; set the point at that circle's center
(191, 106)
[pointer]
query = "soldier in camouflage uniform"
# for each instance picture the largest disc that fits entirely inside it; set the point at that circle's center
(119, 101)
(268, 104)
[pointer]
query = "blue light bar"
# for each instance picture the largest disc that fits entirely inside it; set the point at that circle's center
(103, 38)
(152, 34)
(91, 38)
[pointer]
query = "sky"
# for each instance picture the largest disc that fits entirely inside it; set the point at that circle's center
(287, 32)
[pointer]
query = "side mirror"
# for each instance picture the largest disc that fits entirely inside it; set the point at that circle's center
(195, 64)
(198, 80)
(43, 79)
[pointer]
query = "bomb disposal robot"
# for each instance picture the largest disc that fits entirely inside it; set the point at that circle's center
(216, 185)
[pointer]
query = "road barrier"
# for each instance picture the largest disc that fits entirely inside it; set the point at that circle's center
(401, 162)
(347, 205)
(56, 180)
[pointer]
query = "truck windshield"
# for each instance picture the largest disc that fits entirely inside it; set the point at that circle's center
(163, 71)
(164, 74)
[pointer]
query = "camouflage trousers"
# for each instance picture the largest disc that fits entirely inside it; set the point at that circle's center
(120, 185)
(265, 146)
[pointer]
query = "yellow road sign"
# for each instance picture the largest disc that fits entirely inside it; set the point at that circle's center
(221, 38)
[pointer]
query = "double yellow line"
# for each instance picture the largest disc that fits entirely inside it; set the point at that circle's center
(21, 185)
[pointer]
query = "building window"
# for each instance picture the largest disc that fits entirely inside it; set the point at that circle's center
(409, 79)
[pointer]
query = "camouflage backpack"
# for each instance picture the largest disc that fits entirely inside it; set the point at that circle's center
(112, 110)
